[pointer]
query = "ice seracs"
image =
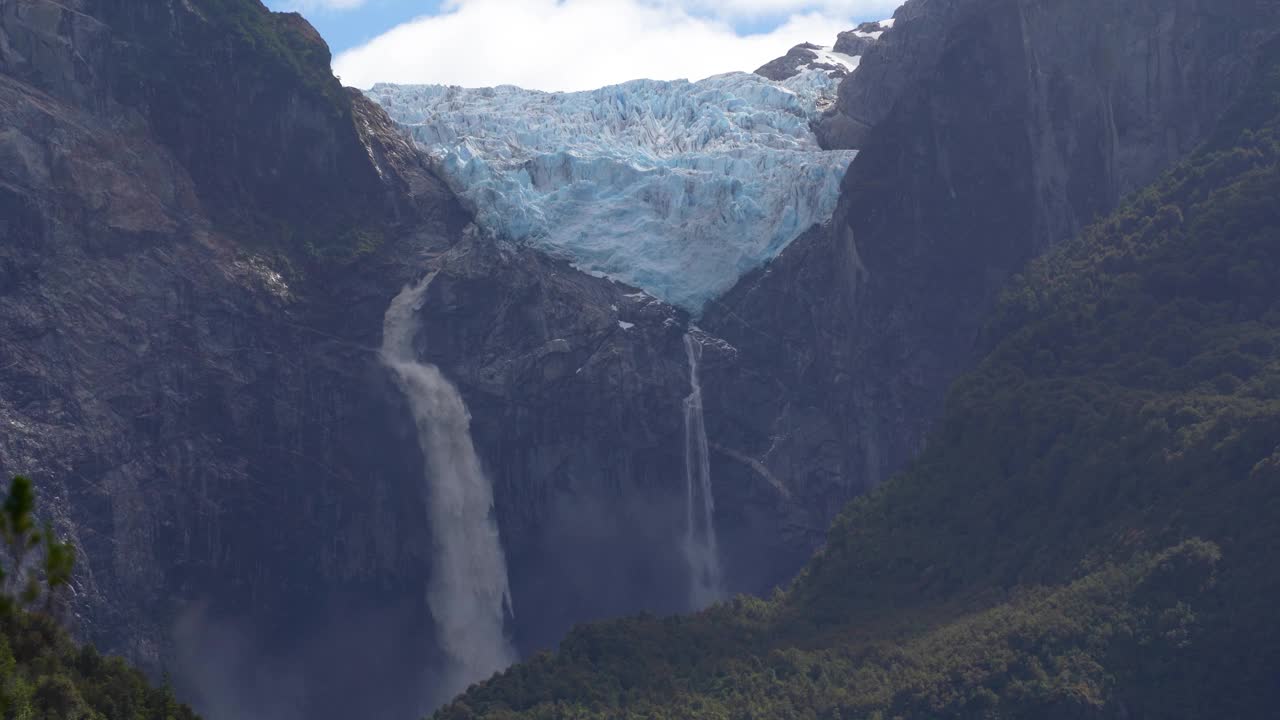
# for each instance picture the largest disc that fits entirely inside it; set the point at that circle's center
(675, 187)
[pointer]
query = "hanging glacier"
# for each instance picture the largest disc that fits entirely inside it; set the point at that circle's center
(676, 187)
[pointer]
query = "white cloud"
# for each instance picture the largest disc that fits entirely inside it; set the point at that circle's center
(768, 8)
(313, 5)
(585, 44)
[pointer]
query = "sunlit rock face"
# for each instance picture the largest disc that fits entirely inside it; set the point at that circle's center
(676, 187)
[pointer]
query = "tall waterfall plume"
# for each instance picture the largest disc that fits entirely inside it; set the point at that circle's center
(706, 579)
(469, 595)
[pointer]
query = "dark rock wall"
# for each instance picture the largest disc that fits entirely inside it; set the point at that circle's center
(575, 385)
(195, 387)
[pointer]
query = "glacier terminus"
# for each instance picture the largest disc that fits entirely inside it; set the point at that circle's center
(676, 187)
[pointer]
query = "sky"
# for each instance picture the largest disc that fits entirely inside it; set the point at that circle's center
(568, 44)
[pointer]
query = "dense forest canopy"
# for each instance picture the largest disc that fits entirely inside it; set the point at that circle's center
(44, 674)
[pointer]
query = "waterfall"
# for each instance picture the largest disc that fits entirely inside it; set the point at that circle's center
(706, 582)
(468, 596)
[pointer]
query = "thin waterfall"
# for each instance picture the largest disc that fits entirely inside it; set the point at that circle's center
(706, 580)
(469, 594)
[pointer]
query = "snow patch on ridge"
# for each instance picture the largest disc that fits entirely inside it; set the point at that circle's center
(829, 57)
(679, 187)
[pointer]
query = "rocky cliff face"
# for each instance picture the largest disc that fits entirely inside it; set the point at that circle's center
(575, 386)
(859, 40)
(988, 129)
(200, 232)
(188, 366)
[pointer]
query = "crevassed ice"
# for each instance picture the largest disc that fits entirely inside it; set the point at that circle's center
(678, 188)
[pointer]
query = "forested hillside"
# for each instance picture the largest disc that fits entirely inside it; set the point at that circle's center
(1091, 531)
(44, 675)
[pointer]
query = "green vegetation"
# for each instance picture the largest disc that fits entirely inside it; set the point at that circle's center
(43, 674)
(349, 246)
(20, 585)
(1091, 532)
(281, 43)
(290, 56)
(266, 46)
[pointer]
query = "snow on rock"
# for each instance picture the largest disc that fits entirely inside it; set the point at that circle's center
(678, 188)
(827, 56)
(856, 41)
(834, 62)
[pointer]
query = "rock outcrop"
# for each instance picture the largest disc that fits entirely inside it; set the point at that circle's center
(859, 40)
(804, 55)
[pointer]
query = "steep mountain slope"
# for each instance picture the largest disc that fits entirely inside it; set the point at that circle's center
(988, 130)
(191, 213)
(1089, 532)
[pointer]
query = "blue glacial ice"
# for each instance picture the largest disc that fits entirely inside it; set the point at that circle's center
(675, 187)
